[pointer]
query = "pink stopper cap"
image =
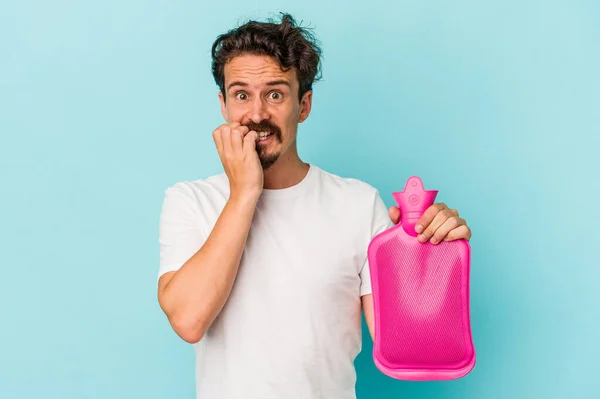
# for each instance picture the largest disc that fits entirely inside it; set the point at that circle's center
(412, 202)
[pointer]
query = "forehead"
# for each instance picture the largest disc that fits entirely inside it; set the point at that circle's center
(256, 70)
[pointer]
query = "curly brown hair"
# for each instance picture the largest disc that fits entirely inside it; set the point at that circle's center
(288, 43)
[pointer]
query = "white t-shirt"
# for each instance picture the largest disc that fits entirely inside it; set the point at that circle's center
(291, 327)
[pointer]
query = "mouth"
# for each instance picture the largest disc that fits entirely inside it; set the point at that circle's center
(264, 137)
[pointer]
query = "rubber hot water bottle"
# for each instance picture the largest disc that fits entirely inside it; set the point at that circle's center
(420, 297)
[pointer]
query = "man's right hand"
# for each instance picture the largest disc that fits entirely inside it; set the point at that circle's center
(236, 145)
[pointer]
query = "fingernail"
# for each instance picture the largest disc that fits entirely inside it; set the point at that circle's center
(419, 228)
(422, 238)
(433, 240)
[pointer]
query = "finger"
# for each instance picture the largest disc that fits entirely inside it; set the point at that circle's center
(216, 134)
(236, 140)
(243, 129)
(437, 221)
(428, 216)
(226, 137)
(461, 232)
(250, 142)
(450, 224)
(394, 213)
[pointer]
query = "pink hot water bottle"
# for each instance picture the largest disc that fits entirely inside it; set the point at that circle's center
(420, 297)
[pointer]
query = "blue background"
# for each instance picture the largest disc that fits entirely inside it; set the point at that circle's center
(105, 104)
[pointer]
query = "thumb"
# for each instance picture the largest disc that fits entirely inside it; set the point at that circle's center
(394, 213)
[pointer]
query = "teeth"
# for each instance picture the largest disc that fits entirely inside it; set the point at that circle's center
(263, 134)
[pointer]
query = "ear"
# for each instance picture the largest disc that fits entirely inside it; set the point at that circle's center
(223, 107)
(305, 106)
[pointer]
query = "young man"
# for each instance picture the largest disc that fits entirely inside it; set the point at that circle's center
(264, 267)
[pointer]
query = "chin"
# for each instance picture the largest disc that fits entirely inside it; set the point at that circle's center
(268, 160)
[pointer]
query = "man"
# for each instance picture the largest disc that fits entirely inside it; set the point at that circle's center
(264, 267)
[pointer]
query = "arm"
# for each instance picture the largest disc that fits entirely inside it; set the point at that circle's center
(193, 296)
(367, 305)
(382, 218)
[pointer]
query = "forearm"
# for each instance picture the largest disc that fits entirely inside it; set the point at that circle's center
(197, 292)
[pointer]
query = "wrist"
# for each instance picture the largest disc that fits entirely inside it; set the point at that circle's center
(247, 198)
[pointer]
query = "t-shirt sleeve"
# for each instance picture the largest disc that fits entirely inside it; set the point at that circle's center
(180, 233)
(380, 221)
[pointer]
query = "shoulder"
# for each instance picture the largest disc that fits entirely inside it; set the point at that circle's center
(358, 201)
(350, 186)
(213, 189)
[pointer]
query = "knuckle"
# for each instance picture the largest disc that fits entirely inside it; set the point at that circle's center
(461, 232)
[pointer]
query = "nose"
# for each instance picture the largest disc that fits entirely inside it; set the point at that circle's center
(258, 111)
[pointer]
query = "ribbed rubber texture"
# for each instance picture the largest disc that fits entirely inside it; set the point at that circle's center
(420, 305)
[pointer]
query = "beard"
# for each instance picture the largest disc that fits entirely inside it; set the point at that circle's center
(267, 159)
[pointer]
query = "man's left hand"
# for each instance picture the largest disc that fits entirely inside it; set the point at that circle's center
(437, 223)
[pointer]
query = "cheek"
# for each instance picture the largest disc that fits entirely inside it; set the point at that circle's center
(234, 113)
(289, 120)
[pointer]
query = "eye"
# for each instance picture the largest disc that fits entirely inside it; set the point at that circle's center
(276, 95)
(241, 93)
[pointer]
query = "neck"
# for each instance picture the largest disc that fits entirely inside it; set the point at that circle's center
(287, 171)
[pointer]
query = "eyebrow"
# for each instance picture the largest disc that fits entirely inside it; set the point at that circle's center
(271, 83)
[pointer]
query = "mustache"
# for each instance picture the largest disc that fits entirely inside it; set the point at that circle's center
(263, 126)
